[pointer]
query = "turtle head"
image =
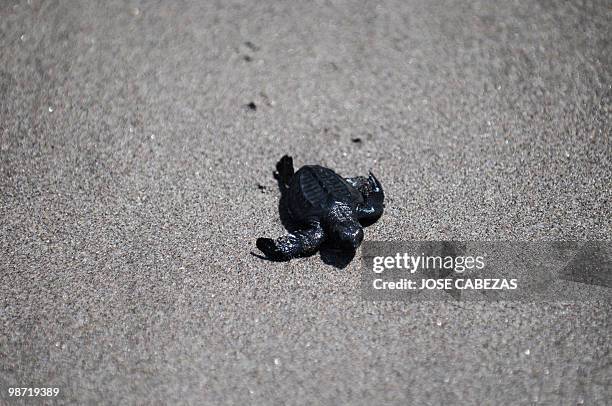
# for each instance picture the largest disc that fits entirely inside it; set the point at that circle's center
(349, 234)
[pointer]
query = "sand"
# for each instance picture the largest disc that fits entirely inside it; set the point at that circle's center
(137, 143)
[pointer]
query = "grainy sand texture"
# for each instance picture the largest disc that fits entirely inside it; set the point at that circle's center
(137, 143)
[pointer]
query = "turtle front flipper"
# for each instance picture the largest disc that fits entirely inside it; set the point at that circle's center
(299, 244)
(372, 208)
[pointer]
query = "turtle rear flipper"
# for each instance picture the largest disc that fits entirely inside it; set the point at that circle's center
(284, 170)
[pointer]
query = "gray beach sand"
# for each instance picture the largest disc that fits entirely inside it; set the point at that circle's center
(135, 178)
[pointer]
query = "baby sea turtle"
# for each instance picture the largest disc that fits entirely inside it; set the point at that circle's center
(326, 207)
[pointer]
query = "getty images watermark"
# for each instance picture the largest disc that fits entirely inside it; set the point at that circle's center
(523, 271)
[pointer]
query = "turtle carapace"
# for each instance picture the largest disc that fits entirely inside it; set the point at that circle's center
(326, 207)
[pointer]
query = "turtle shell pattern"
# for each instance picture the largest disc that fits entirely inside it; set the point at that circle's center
(314, 190)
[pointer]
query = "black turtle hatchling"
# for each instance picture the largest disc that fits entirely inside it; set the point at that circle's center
(326, 207)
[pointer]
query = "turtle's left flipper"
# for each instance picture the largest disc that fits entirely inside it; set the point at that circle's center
(372, 207)
(299, 244)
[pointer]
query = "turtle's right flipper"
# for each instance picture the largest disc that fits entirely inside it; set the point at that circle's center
(373, 195)
(299, 244)
(361, 183)
(284, 170)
